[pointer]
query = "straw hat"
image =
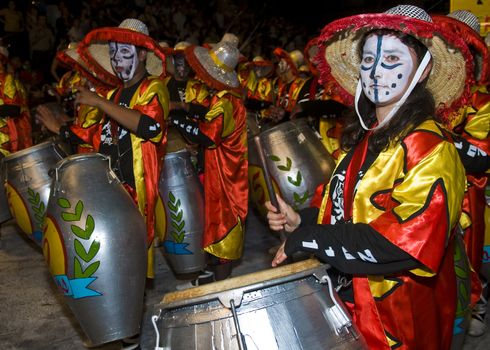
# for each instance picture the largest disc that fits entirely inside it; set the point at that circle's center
(94, 48)
(294, 59)
(450, 77)
(467, 26)
(215, 66)
(71, 59)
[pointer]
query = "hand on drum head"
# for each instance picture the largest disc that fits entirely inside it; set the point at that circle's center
(49, 118)
(280, 255)
(286, 218)
(276, 113)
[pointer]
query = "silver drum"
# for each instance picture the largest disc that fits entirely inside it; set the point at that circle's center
(28, 185)
(297, 162)
(290, 307)
(182, 196)
(95, 245)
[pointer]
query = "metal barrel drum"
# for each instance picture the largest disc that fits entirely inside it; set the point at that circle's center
(289, 307)
(95, 244)
(182, 214)
(4, 205)
(28, 185)
(297, 162)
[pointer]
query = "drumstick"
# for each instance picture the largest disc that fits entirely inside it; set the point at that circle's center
(268, 182)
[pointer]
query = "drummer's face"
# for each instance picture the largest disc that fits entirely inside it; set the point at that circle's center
(387, 68)
(124, 60)
(182, 69)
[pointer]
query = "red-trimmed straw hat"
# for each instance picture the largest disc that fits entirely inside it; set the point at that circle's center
(451, 75)
(71, 59)
(94, 48)
(467, 26)
(215, 66)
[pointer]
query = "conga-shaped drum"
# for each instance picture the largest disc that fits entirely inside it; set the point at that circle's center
(95, 245)
(297, 162)
(28, 185)
(289, 307)
(182, 215)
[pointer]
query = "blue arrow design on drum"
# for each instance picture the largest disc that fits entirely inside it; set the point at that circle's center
(457, 326)
(176, 248)
(76, 288)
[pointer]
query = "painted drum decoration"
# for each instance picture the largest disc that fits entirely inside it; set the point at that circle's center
(290, 307)
(182, 215)
(28, 185)
(297, 162)
(95, 246)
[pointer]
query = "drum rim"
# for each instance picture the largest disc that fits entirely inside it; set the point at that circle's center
(75, 157)
(288, 126)
(25, 151)
(187, 297)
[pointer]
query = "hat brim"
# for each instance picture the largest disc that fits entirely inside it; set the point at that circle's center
(94, 51)
(201, 62)
(71, 59)
(451, 75)
(472, 39)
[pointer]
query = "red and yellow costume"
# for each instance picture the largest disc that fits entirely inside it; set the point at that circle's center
(15, 133)
(413, 309)
(225, 176)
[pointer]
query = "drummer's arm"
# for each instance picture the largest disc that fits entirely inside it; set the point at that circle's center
(351, 248)
(186, 121)
(8, 110)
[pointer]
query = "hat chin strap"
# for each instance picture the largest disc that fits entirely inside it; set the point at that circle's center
(400, 102)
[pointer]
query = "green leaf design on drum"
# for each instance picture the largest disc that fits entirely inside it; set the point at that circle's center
(84, 232)
(176, 216)
(37, 206)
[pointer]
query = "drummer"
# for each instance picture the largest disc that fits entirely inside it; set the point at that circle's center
(220, 128)
(389, 214)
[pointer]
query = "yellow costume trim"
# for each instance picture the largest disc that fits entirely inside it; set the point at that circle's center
(223, 107)
(231, 246)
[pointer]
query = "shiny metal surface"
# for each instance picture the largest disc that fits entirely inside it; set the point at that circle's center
(297, 162)
(4, 205)
(28, 185)
(294, 312)
(183, 198)
(95, 246)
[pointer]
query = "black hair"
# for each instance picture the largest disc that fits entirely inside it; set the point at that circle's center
(418, 107)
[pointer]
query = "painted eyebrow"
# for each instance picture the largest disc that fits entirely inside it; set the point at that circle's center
(393, 51)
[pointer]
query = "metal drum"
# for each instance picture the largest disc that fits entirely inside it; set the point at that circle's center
(289, 307)
(4, 205)
(95, 245)
(182, 214)
(297, 162)
(28, 185)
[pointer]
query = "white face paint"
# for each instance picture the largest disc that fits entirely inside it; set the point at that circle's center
(387, 68)
(124, 60)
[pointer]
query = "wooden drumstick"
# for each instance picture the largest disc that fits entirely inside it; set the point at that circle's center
(268, 182)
